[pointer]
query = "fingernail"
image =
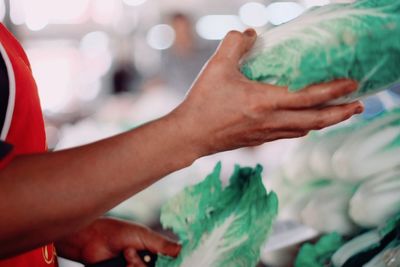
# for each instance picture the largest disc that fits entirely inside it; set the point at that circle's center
(250, 32)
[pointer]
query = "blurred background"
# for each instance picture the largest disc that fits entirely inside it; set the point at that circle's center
(107, 66)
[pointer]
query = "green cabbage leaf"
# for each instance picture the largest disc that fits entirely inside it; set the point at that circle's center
(359, 41)
(221, 226)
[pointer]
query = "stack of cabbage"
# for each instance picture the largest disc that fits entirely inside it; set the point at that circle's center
(359, 41)
(379, 247)
(344, 179)
(221, 226)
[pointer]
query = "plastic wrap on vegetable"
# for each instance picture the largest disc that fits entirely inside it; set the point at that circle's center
(370, 150)
(390, 256)
(357, 245)
(363, 250)
(327, 211)
(319, 255)
(221, 226)
(377, 200)
(359, 41)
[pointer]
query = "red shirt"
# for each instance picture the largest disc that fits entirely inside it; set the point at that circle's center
(21, 126)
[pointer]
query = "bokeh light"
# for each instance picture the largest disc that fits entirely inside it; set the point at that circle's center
(281, 12)
(161, 36)
(253, 14)
(215, 27)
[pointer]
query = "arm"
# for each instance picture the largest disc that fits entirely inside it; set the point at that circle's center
(53, 195)
(58, 193)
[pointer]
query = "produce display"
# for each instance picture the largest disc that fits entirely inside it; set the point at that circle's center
(379, 247)
(376, 200)
(374, 248)
(346, 178)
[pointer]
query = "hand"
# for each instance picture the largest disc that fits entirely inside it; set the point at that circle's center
(224, 110)
(107, 238)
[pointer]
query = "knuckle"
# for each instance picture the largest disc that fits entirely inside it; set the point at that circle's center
(265, 98)
(347, 114)
(216, 66)
(308, 102)
(320, 123)
(234, 34)
(254, 108)
(340, 115)
(219, 60)
(304, 99)
(303, 133)
(257, 138)
(335, 92)
(271, 125)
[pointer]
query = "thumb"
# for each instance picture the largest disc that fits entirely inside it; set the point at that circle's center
(159, 244)
(236, 44)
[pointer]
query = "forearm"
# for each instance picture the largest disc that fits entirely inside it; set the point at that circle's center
(51, 195)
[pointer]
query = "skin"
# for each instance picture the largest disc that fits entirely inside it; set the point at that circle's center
(184, 41)
(60, 196)
(105, 238)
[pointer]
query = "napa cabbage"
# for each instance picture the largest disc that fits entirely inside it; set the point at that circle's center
(359, 41)
(221, 226)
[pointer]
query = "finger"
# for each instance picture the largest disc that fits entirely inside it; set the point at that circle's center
(132, 258)
(236, 44)
(317, 95)
(318, 119)
(259, 138)
(159, 244)
(286, 135)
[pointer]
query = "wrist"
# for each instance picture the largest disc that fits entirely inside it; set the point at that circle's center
(188, 145)
(72, 246)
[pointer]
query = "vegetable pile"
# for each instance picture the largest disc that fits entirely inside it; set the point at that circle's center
(346, 178)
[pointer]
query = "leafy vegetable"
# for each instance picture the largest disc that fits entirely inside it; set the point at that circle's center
(345, 177)
(359, 244)
(320, 254)
(221, 226)
(370, 150)
(364, 247)
(377, 200)
(390, 256)
(328, 209)
(358, 41)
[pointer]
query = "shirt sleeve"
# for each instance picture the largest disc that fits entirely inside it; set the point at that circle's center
(6, 154)
(4, 92)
